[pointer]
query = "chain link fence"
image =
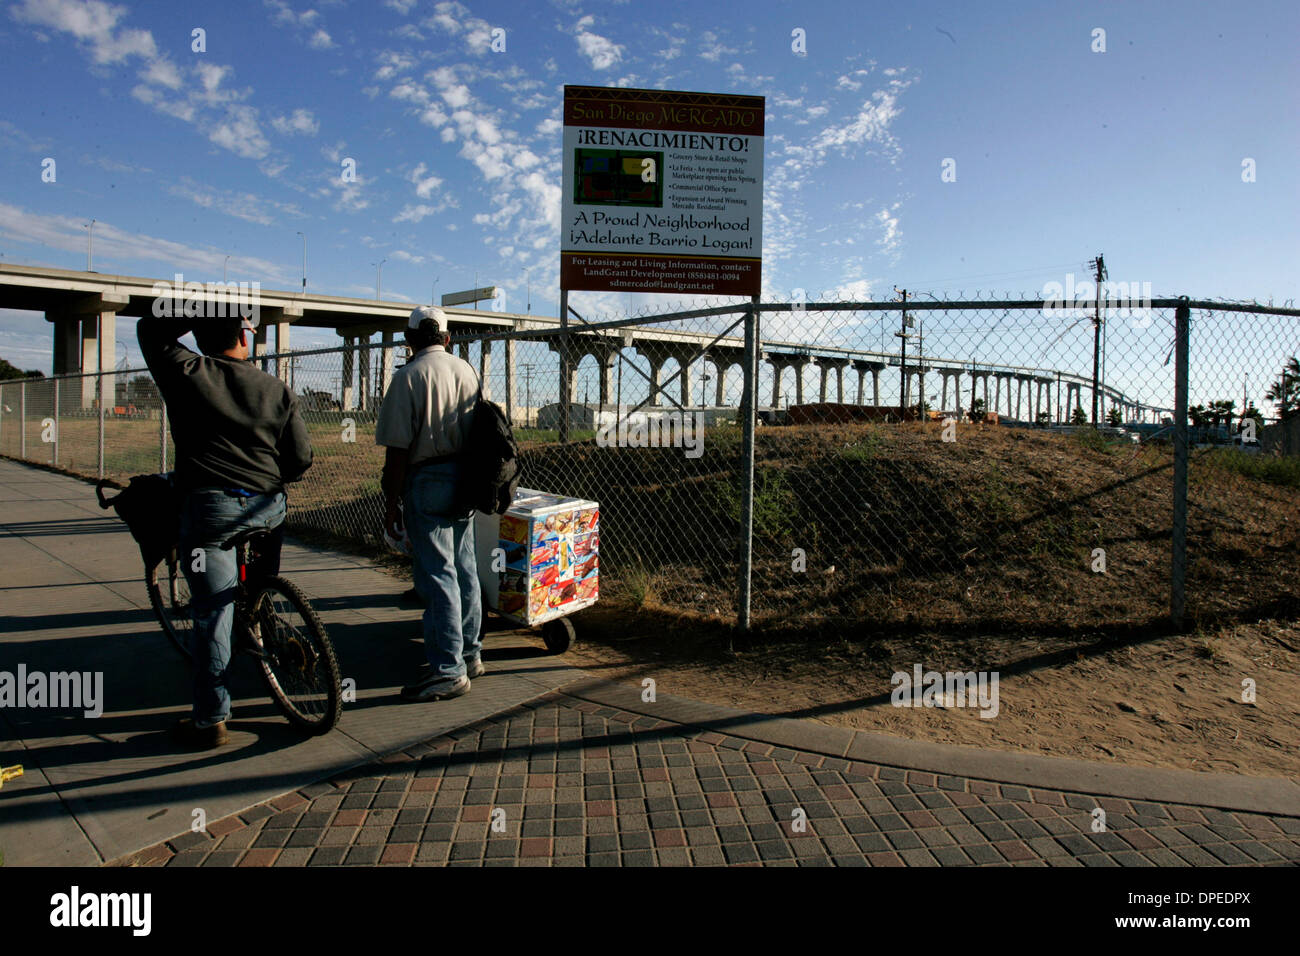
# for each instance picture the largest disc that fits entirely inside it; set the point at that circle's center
(931, 464)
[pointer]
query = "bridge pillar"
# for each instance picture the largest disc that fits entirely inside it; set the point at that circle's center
(98, 354)
(778, 367)
(385, 362)
(655, 357)
(863, 366)
(284, 364)
(826, 363)
(363, 361)
(347, 391)
(1001, 377)
(720, 393)
(510, 380)
(485, 367)
(605, 352)
(975, 378)
(257, 348)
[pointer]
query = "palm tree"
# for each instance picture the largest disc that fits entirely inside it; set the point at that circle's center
(1286, 390)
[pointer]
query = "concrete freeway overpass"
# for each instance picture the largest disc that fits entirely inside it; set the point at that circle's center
(82, 308)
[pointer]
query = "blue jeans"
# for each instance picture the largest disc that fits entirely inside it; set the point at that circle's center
(209, 518)
(445, 569)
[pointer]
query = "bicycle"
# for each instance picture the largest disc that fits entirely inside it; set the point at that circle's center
(273, 623)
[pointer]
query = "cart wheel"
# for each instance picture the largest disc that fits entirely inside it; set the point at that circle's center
(558, 635)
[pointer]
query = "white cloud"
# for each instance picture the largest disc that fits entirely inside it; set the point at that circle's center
(891, 238)
(601, 52)
(870, 125)
(424, 185)
(306, 24)
(712, 48)
(415, 212)
(239, 132)
(240, 205)
(392, 62)
(92, 22)
(162, 72)
(454, 19)
(301, 122)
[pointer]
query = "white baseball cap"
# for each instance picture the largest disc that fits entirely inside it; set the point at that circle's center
(420, 313)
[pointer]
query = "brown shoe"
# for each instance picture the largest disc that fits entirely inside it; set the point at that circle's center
(200, 738)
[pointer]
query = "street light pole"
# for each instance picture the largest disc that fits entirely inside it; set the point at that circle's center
(379, 269)
(90, 245)
(225, 266)
(304, 262)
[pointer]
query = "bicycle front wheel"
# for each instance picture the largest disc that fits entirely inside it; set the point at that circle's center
(296, 656)
(169, 596)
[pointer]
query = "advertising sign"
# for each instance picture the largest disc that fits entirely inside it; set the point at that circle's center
(662, 192)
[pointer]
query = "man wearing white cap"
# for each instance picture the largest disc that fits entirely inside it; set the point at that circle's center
(423, 423)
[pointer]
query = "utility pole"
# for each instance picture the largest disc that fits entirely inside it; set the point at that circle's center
(528, 394)
(902, 366)
(1100, 266)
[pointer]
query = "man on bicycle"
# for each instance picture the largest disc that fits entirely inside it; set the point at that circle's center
(239, 439)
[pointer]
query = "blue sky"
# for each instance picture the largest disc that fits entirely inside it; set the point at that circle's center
(185, 158)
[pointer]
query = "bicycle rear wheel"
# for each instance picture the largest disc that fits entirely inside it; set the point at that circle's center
(169, 596)
(296, 656)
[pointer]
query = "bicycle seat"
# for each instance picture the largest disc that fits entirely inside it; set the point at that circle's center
(245, 536)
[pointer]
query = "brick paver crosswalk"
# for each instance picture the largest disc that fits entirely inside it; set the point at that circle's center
(562, 781)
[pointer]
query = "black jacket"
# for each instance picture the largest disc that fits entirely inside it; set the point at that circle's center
(234, 425)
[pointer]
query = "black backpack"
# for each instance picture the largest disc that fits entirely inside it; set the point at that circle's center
(490, 468)
(150, 507)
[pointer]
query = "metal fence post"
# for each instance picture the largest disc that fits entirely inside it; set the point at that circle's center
(99, 389)
(1178, 578)
(565, 398)
(22, 421)
(749, 404)
(56, 423)
(162, 435)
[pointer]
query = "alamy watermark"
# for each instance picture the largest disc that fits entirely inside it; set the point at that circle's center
(1075, 299)
(63, 690)
(207, 300)
(922, 688)
(74, 909)
(656, 430)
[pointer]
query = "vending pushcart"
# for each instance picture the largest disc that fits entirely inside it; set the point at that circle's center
(540, 562)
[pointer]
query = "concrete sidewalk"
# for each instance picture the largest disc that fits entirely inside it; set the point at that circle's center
(582, 771)
(96, 789)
